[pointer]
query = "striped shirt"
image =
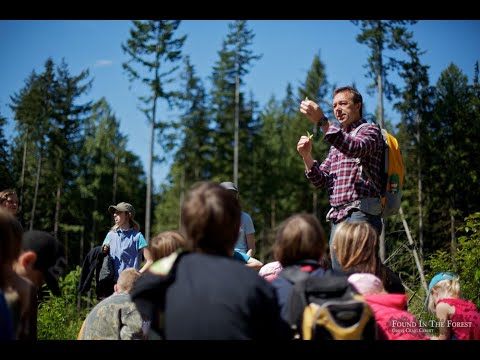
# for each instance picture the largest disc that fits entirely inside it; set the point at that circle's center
(341, 172)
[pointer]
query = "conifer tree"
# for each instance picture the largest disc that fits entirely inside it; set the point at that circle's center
(315, 88)
(415, 105)
(33, 109)
(6, 168)
(192, 143)
(449, 150)
(154, 48)
(382, 37)
(231, 112)
(66, 133)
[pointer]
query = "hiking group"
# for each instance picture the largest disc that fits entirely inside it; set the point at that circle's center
(201, 281)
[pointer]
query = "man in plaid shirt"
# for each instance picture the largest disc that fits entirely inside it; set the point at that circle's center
(354, 195)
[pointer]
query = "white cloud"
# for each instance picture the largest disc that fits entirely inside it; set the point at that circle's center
(103, 63)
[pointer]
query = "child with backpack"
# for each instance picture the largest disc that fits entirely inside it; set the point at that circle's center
(299, 244)
(316, 303)
(458, 319)
(393, 321)
(205, 294)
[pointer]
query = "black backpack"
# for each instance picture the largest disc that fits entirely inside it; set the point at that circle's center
(327, 308)
(150, 290)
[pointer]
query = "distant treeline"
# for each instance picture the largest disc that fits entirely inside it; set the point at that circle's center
(69, 160)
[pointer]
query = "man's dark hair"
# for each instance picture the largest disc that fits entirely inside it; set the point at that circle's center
(357, 97)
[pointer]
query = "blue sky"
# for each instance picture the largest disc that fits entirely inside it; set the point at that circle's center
(287, 46)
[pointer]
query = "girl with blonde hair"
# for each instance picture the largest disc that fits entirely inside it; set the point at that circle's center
(355, 246)
(458, 318)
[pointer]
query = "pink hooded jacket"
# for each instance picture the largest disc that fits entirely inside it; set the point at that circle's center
(395, 323)
(465, 323)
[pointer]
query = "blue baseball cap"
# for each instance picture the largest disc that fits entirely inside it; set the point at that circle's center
(447, 275)
(441, 276)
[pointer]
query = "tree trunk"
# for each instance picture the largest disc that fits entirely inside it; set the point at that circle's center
(381, 240)
(24, 161)
(236, 137)
(115, 179)
(57, 210)
(272, 213)
(414, 249)
(419, 192)
(150, 170)
(380, 98)
(93, 237)
(453, 244)
(66, 246)
(180, 200)
(82, 246)
(35, 194)
(315, 193)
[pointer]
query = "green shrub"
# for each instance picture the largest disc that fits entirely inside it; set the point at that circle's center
(465, 262)
(59, 317)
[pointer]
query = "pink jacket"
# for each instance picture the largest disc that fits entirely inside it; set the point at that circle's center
(465, 323)
(394, 323)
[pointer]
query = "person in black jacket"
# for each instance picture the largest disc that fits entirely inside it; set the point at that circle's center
(206, 294)
(91, 270)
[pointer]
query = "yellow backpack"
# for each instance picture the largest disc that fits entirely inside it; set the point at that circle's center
(327, 308)
(395, 171)
(393, 176)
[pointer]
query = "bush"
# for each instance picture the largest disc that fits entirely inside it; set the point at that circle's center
(465, 261)
(58, 317)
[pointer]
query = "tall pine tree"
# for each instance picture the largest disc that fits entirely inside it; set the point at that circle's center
(154, 47)
(415, 105)
(6, 168)
(194, 153)
(232, 115)
(450, 145)
(382, 36)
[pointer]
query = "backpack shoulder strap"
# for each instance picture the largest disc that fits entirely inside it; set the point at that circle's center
(293, 274)
(357, 129)
(150, 290)
(364, 169)
(297, 297)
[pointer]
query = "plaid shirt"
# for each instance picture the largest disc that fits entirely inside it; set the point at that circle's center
(341, 172)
